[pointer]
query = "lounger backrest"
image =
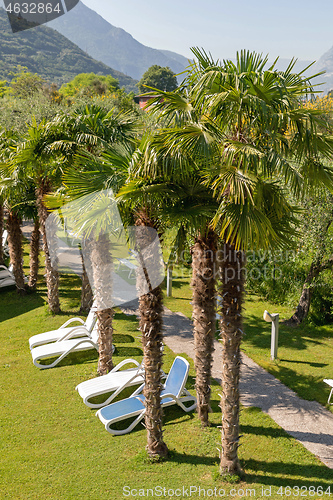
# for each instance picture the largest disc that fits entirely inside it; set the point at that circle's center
(5, 273)
(91, 319)
(177, 377)
(4, 237)
(94, 334)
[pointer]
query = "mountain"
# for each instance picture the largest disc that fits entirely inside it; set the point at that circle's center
(325, 63)
(46, 52)
(113, 46)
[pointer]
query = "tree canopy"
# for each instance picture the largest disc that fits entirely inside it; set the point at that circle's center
(90, 84)
(159, 78)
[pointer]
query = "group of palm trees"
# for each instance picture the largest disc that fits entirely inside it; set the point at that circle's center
(219, 159)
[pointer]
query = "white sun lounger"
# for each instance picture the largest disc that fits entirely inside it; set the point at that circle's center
(4, 243)
(63, 348)
(6, 277)
(173, 392)
(114, 382)
(66, 332)
(131, 266)
(329, 382)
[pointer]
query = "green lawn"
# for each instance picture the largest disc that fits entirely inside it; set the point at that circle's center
(53, 447)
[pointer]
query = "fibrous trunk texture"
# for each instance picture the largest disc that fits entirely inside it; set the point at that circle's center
(1, 233)
(204, 318)
(86, 290)
(105, 337)
(232, 275)
(34, 255)
(15, 249)
(150, 310)
(52, 275)
(101, 261)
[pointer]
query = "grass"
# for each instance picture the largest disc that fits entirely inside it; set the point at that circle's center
(54, 447)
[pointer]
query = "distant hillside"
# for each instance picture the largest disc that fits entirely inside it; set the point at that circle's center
(114, 46)
(46, 52)
(325, 63)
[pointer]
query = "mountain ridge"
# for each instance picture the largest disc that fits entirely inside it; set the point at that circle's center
(325, 63)
(46, 52)
(84, 27)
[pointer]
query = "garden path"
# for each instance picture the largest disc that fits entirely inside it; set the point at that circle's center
(307, 421)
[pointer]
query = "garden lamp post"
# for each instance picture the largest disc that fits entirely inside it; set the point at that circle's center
(274, 319)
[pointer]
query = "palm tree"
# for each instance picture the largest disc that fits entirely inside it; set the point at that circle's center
(112, 169)
(150, 311)
(172, 183)
(262, 135)
(15, 193)
(87, 296)
(34, 253)
(93, 219)
(16, 202)
(81, 137)
(31, 158)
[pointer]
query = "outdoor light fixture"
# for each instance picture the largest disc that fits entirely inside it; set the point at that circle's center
(274, 319)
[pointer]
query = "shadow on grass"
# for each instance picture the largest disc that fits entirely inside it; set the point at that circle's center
(258, 332)
(128, 352)
(73, 359)
(122, 338)
(309, 387)
(269, 473)
(184, 458)
(172, 415)
(311, 363)
(14, 305)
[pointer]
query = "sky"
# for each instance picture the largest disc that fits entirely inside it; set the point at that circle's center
(284, 28)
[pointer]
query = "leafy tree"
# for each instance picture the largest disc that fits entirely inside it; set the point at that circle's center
(316, 242)
(89, 84)
(159, 78)
(3, 87)
(24, 83)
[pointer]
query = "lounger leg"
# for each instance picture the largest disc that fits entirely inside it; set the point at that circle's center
(128, 429)
(329, 397)
(112, 396)
(52, 365)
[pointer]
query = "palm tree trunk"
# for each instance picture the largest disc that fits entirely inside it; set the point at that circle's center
(150, 311)
(105, 336)
(2, 225)
(52, 275)
(204, 317)
(86, 290)
(101, 261)
(34, 255)
(15, 237)
(233, 279)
